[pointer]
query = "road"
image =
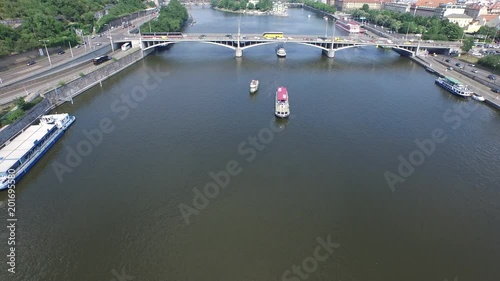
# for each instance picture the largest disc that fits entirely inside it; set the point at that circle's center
(53, 81)
(452, 62)
(23, 72)
(475, 86)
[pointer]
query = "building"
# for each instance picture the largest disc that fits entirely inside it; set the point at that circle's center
(279, 8)
(461, 20)
(432, 3)
(475, 10)
(449, 9)
(423, 11)
(489, 20)
(348, 5)
(473, 27)
(397, 7)
(494, 9)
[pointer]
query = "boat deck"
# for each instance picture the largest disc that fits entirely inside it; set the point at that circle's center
(21, 145)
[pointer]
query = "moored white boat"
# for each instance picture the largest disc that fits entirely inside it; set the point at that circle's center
(282, 106)
(19, 154)
(454, 86)
(478, 97)
(254, 86)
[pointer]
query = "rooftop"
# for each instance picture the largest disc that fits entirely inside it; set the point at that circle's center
(20, 145)
(458, 16)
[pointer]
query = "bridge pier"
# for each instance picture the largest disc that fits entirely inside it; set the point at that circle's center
(239, 52)
(329, 53)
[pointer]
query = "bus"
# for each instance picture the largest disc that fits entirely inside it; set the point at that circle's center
(163, 35)
(100, 60)
(273, 35)
(125, 46)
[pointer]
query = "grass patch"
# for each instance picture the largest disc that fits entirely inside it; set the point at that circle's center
(9, 116)
(82, 74)
(469, 59)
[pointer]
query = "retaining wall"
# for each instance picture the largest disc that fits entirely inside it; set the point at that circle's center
(30, 116)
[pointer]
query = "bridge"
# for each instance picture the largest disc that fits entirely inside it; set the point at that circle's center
(328, 46)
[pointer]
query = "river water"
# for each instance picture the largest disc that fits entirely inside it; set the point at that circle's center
(327, 176)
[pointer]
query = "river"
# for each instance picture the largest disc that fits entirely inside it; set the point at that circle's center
(379, 174)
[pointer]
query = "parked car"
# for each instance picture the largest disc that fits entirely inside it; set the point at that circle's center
(31, 62)
(495, 90)
(474, 71)
(447, 60)
(450, 68)
(458, 64)
(492, 77)
(61, 52)
(98, 44)
(470, 64)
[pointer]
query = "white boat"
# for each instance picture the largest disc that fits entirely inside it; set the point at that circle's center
(478, 97)
(454, 86)
(282, 106)
(348, 25)
(19, 154)
(254, 86)
(280, 51)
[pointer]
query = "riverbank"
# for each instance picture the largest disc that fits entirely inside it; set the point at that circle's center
(440, 68)
(69, 89)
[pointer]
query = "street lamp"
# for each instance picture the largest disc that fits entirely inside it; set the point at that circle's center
(326, 26)
(46, 50)
(110, 38)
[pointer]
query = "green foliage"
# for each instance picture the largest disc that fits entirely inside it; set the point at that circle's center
(430, 28)
(171, 18)
(491, 61)
(13, 116)
(82, 74)
(468, 44)
(61, 83)
(365, 7)
(235, 5)
(22, 107)
(320, 6)
(51, 20)
(488, 31)
(20, 103)
(122, 8)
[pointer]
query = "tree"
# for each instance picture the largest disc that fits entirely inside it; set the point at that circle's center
(468, 44)
(365, 7)
(250, 6)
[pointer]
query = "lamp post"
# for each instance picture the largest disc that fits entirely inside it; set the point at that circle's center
(46, 50)
(110, 38)
(326, 26)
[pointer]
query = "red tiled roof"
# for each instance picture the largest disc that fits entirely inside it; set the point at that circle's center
(495, 6)
(364, 1)
(488, 17)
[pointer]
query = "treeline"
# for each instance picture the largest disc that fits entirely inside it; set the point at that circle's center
(171, 18)
(430, 27)
(317, 5)
(491, 61)
(235, 5)
(53, 20)
(121, 8)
